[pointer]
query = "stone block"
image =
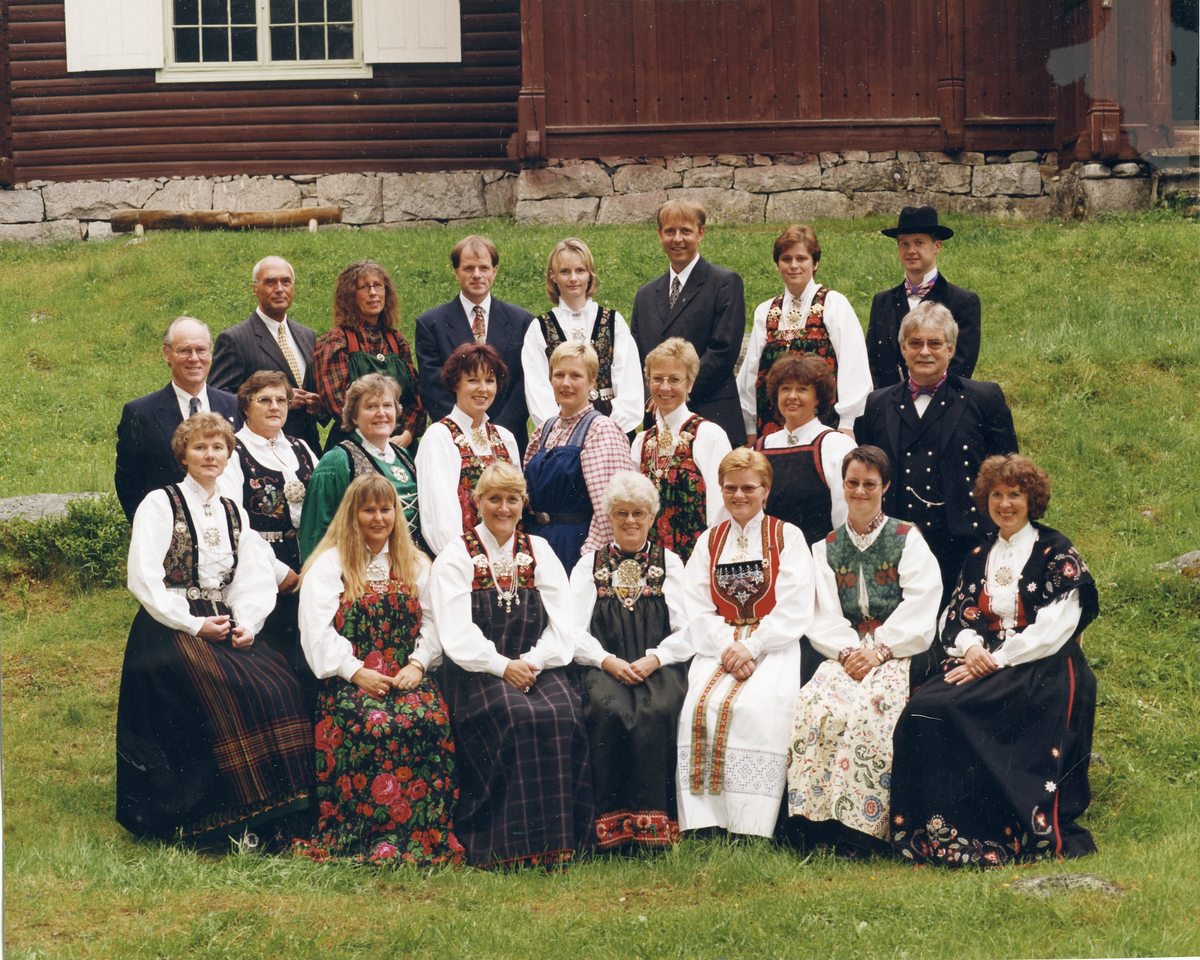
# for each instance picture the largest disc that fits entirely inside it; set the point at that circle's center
(829, 159)
(936, 156)
(761, 160)
(553, 183)
(732, 160)
(500, 196)
(260, 193)
(853, 176)
(1023, 156)
(360, 196)
(309, 203)
(778, 178)
(433, 196)
(561, 210)
(1126, 170)
(997, 158)
(1095, 171)
(40, 234)
(617, 161)
(644, 179)
(942, 177)
(491, 176)
(855, 156)
(883, 155)
(1003, 208)
(891, 202)
(1052, 158)
(709, 177)
(98, 230)
(725, 206)
(183, 195)
(95, 199)
(303, 177)
(1179, 184)
(1115, 196)
(679, 164)
(631, 207)
(701, 161)
(907, 156)
(803, 206)
(970, 158)
(1007, 179)
(21, 206)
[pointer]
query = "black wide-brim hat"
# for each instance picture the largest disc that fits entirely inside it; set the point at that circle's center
(919, 220)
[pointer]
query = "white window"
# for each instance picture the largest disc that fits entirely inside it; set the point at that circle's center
(245, 40)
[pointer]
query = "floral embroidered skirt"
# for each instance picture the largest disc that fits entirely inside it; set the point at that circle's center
(840, 761)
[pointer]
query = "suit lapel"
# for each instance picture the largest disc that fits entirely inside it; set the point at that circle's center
(900, 305)
(499, 328)
(166, 413)
(690, 291)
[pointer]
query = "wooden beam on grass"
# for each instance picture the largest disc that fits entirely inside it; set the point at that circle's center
(125, 221)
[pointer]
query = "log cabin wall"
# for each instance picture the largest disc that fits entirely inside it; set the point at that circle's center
(407, 117)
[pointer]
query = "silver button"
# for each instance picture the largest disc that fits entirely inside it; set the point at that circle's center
(929, 469)
(966, 463)
(975, 525)
(964, 446)
(931, 453)
(909, 454)
(927, 487)
(972, 509)
(908, 471)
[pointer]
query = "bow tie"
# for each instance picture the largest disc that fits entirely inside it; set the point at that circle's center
(917, 390)
(920, 291)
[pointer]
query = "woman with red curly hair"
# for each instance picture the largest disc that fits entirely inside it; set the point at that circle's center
(990, 760)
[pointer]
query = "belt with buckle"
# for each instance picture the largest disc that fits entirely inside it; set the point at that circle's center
(546, 519)
(215, 594)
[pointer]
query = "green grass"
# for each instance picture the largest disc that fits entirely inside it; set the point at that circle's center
(1094, 332)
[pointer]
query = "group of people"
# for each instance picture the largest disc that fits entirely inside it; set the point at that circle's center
(808, 598)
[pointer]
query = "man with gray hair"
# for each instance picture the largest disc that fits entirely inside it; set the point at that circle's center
(144, 458)
(269, 339)
(937, 428)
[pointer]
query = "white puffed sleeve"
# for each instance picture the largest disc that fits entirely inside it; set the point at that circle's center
(629, 405)
(747, 378)
(588, 650)
(462, 641)
(252, 593)
(709, 449)
(148, 545)
(328, 653)
(850, 347)
(539, 394)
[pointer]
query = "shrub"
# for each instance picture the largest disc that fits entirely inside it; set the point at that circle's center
(89, 545)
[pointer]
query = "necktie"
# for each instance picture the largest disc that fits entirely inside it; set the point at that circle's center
(676, 286)
(477, 327)
(286, 350)
(920, 291)
(193, 407)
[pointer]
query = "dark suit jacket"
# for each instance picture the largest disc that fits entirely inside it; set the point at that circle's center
(442, 329)
(144, 458)
(976, 423)
(891, 306)
(711, 314)
(248, 347)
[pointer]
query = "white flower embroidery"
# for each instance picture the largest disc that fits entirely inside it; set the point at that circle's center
(481, 562)
(603, 574)
(654, 573)
(294, 491)
(1031, 587)
(1051, 786)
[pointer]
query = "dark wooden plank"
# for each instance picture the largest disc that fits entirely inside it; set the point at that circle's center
(56, 50)
(645, 60)
(669, 82)
(34, 12)
(259, 168)
(560, 95)
(733, 50)
(7, 172)
(833, 93)
(43, 31)
(808, 43)
(760, 58)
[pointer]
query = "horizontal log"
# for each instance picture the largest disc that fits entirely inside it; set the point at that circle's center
(30, 12)
(52, 50)
(124, 221)
(71, 169)
(43, 31)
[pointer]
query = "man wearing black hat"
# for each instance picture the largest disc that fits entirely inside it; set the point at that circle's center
(919, 238)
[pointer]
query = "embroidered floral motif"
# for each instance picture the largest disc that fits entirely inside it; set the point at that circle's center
(472, 466)
(523, 557)
(651, 828)
(812, 338)
(681, 489)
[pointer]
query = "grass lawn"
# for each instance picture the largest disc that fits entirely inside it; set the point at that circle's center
(1094, 332)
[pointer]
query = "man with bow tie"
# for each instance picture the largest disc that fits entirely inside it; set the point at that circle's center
(937, 428)
(919, 237)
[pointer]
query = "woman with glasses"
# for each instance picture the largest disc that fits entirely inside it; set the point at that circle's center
(682, 452)
(749, 593)
(366, 338)
(878, 588)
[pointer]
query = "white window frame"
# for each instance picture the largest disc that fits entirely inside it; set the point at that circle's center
(263, 68)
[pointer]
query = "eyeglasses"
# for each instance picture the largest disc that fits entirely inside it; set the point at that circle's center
(746, 489)
(200, 352)
(270, 401)
(916, 344)
(372, 286)
(638, 515)
(866, 486)
(670, 381)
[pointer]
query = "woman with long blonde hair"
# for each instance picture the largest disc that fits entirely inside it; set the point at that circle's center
(383, 731)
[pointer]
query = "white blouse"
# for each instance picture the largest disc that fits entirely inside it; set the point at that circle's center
(627, 405)
(250, 594)
(1054, 625)
(849, 345)
(327, 651)
(912, 625)
(439, 466)
(708, 450)
(464, 643)
(833, 451)
(792, 614)
(589, 651)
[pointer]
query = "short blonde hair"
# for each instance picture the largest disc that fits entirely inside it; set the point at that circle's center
(200, 426)
(577, 248)
(579, 350)
(675, 350)
(499, 476)
(682, 211)
(743, 458)
(368, 385)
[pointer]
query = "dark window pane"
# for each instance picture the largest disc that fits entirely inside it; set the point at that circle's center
(242, 11)
(187, 12)
(283, 11)
(187, 45)
(340, 11)
(245, 43)
(312, 43)
(311, 11)
(215, 41)
(283, 43)
(341, 42)
(213, 12)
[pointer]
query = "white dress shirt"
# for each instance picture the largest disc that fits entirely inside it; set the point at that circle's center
(833, 451)
(184, 399)
(464, 643)
(273, 330)
(469, 308)
(250, 594)
(682, 274)
(627, 405)
(589, 651)
(1054, 625)
(708, 450)
(849, 345)
(326, 650)
(439, 466)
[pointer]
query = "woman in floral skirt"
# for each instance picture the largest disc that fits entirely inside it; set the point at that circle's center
(385, 757)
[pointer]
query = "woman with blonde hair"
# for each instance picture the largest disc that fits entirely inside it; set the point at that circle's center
(385, 760)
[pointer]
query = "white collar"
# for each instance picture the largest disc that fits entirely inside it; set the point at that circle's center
(806, 296)
(675, 419)
(464, 420)
(805, 433)
(490, 544)
(469, 307)
(185, 398)
(1022, 540)
(931, 275)
(755, 525)
(586, 315)
(192, 486)
(685, 272)
(248, 436)
(272, 325)
(386, 454)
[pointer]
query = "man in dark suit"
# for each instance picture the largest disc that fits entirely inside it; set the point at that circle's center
(269, 340)
(701, 302)
(144, 458)
(474, 314)
(919, 237)
(937, 428)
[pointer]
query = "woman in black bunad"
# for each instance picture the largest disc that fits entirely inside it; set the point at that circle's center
(991, 759)
(269, 477)
(212, 735)
(502, 603)
(633, 647)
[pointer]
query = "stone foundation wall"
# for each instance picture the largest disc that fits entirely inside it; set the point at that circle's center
(1025, 185)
